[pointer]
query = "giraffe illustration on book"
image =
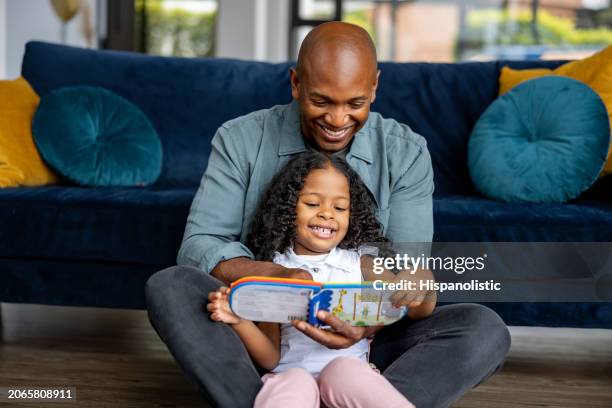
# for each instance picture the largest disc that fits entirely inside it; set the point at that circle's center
(339, 309)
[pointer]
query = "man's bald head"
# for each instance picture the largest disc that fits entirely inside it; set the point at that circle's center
(336, 43)
(335, 83)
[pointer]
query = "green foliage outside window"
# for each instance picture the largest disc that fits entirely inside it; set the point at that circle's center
(361, 18)
(177, 32)
(517, 29)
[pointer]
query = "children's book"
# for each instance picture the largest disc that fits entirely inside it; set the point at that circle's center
(283, 300)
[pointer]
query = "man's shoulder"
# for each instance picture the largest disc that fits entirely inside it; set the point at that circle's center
(398, 143)
(245, 134)
(255, 120)
(395, 134)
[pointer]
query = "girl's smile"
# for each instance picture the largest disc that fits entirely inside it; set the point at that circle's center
(323, 232)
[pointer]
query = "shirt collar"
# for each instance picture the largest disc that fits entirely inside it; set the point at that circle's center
(362, 143)
(336, 258)
(292, 141)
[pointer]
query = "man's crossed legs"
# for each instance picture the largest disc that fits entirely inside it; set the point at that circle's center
(432, 362)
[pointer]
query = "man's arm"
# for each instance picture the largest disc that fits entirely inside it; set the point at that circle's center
(215, 218)
(211, 239)
(411, 220)
(236, 268)
(411, 202)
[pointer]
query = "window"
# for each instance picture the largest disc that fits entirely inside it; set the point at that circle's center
(459, 30)
(180, 28)
(184, 28)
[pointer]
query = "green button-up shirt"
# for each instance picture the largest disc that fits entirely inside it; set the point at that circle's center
(246, 153)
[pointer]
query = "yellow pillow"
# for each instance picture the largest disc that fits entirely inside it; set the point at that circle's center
(595, 71)
(20, 163)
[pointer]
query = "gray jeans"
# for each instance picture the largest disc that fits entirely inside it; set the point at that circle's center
(433, 361)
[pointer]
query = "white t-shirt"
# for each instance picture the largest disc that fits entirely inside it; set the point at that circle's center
(299, 350)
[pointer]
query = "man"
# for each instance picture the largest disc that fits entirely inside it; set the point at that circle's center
(433, 360)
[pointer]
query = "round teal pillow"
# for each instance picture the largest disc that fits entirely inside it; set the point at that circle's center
(94, 137)
(544, 141)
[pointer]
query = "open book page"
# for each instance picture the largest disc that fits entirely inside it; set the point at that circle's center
(362, 306)
(267, 303)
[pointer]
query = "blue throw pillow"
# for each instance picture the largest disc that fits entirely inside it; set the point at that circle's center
(544, 141)
(94, 137)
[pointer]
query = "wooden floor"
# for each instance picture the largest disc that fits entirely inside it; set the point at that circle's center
(115, 359)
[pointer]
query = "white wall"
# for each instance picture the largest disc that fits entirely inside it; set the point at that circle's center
(596, 4)
(2, 39)
(28, 20)
(277, 33)
(253, 30)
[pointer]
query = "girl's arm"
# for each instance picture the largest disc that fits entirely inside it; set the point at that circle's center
(262, 341)
(260, 347)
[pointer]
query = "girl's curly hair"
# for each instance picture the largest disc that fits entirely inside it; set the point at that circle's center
(273, 226)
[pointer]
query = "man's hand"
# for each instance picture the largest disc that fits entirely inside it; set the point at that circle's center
(411, 298)
(421, 303)
(341, 335)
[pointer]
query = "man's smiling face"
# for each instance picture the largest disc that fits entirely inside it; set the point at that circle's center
(335, 89)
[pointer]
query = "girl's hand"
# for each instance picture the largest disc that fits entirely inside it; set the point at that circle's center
(219, 307)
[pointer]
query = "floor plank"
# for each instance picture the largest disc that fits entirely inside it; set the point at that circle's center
(114, 358)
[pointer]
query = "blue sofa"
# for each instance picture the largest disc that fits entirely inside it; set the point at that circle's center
(68, 245)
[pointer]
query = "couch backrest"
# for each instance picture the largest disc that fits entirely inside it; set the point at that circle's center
(188, 99)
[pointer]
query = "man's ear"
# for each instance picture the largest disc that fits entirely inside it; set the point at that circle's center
(295, 83)
(374, 87)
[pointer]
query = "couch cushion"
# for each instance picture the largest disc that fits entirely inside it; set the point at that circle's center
(127, 225)
(474, 219)
(595, 71)
(188, 99)
(544, 141)
(20, 163)
(96, 138)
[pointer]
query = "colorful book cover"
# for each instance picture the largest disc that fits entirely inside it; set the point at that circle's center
(283, 300)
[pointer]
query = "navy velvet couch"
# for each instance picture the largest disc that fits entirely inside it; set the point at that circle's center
(68, 245)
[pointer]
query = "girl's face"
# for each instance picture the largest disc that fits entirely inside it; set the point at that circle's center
(322, 213)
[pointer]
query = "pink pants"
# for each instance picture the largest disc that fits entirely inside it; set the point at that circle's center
(344, 382)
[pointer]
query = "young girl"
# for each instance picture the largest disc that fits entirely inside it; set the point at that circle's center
(315, 216)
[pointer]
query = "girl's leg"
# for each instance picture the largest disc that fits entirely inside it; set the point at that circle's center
(295, 387)
(348, 382)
